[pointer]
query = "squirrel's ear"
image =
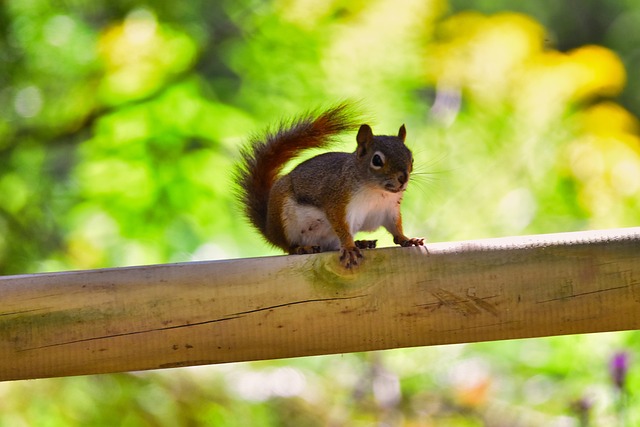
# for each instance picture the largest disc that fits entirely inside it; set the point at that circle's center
(402, 133)
(364, 138)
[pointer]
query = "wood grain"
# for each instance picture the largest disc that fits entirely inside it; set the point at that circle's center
(163, 316)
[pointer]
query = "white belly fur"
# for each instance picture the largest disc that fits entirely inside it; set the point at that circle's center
(369, 209)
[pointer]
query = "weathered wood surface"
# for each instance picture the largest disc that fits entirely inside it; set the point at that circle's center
(164, 316)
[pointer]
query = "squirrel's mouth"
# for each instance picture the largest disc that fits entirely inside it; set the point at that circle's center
(394, 189)
(396, 184)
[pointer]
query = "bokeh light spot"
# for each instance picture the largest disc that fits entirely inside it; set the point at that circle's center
(28, 102)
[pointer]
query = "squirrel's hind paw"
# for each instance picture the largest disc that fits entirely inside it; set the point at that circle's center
(366, 244)
(302, 250)
(350, 257)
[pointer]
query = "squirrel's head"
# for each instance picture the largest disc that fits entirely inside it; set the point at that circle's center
(385, 160)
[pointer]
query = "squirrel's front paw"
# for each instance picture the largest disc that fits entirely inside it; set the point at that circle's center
(411, 242)
(350, 257)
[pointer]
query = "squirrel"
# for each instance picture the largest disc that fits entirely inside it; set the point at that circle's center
(325, 200)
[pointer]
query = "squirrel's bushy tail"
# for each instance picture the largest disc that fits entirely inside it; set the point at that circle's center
(265, 156)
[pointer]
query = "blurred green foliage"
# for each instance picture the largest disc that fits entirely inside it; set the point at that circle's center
(120, 123)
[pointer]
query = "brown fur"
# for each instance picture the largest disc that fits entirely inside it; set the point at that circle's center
(265, 156)
(328, 198)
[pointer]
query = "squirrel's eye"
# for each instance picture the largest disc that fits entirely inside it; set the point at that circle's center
(377, 161)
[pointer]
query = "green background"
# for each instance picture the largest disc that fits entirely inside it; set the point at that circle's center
(120, 123)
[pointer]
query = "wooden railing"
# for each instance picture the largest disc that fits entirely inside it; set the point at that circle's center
(162, 316)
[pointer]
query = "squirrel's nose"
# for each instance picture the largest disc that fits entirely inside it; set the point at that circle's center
(403, 177)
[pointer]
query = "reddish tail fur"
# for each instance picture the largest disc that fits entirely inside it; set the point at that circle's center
(264, 157)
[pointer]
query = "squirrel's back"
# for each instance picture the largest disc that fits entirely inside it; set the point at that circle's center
(264, 157)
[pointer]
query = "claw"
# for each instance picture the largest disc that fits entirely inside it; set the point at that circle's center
(350, 257)
(302, 250)
(412, 242)
(366, 244)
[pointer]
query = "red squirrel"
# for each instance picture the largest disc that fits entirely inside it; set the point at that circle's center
(324, 201)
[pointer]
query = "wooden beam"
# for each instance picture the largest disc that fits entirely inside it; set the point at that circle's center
(163, 316)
